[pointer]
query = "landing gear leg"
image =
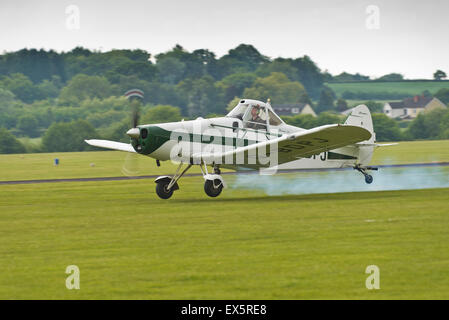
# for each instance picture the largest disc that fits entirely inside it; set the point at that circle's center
(363, 170)
(165, 186)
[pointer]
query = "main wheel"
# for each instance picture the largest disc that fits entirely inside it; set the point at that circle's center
(213, 188)
(368, 179)
(162, 191)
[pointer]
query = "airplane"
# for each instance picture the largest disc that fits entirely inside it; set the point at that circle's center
(250, 137)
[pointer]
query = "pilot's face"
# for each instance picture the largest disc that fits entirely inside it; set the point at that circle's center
(254, 112)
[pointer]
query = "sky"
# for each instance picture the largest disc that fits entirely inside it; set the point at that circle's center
(372, 37)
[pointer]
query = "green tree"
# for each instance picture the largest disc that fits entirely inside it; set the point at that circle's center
(160, 114)
(194, 63)
(22, 87)
(234, 85)
(48, 89)
(200, 96)
(64, 137)
(171, 70)
(9, 143)
(282, 65)
(309, 75)
(391, 77)
(10, 109)
(242, 59)
(28, 125)
(342, 105)
(439, 75)
(386, 129)
(83, 86)
(105, 119)
(277, 87)
(36, 65)
(326, 101)
(443, 95)
(117, 131)
(208, 60)
(344, 77)
(305, 121)
(233, 103)
(430, 125)
(248, 55)
(96, 105)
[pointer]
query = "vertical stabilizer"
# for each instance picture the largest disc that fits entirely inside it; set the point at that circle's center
(361, 117)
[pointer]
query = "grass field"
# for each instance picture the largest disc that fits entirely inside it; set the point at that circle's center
(110, 163)
(410, 88)
(129, 244)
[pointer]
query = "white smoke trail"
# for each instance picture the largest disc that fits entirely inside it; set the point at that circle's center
(345, 181)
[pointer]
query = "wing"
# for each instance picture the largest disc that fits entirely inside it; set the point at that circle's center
(120, 146)
(302, 144)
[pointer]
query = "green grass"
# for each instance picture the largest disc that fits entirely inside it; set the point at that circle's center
(111, 163)
(410, 88)
(78, 165)
(413, 152)
(129, 244)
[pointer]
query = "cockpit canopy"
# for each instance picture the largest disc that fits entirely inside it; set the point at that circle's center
(255, 115)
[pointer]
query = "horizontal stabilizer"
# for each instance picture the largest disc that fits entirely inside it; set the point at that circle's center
(376, 144)
(386, 144)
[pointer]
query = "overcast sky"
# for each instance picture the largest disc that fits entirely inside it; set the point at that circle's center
(408, 37)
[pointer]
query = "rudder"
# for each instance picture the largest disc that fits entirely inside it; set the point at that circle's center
(361, 117)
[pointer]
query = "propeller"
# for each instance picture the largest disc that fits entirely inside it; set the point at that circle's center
(131, 165)
(134, 132)
(131, 162)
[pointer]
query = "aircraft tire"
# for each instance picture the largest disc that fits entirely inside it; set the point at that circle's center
(369, 179)
(211, 190)
(161, 190)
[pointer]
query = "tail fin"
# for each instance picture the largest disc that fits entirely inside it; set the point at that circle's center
(361, 117)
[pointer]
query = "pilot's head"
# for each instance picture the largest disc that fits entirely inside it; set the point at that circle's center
(255, 111)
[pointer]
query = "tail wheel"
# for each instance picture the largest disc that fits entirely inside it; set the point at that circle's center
(162, 191)
(369, 179)
(213, 187)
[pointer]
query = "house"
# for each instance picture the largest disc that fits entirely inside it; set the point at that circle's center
(410, 108)
(293, 109)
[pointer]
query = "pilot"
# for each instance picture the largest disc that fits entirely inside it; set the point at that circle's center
(256, 122)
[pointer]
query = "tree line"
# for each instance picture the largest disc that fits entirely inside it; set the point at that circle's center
(65, 97)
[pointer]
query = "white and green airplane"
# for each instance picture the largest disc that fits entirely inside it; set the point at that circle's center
(253, 137)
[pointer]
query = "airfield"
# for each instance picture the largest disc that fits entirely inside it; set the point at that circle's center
(310, 241)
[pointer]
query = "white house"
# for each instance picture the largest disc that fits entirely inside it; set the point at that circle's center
(410, 108)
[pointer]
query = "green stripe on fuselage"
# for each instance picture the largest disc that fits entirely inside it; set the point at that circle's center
(158, 136)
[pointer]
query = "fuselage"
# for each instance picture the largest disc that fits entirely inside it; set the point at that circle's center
(227, 133)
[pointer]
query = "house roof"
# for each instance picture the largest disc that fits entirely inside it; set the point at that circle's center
(413, 102)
